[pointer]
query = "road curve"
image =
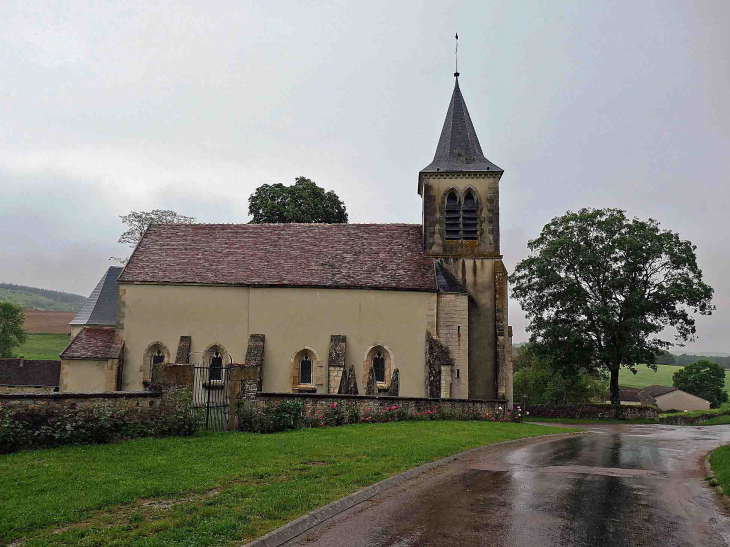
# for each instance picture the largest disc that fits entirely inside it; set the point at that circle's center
(619, 485)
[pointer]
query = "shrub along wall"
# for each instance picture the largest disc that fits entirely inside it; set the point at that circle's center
(54, 419)
(268, 412)
(594, 412)
(680, 419)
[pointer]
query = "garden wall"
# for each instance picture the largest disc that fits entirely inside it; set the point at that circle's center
(321, 402)
(114, 400)
(681, 419)
(594, 412)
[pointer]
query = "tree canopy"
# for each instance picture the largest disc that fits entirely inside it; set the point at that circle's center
(599, 289)
(11, 328)
(138, 222)
(703, 379)
(304, 201)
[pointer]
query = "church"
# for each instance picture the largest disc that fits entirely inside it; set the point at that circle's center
(412, 306)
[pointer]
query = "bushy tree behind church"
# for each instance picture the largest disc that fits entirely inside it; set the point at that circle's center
(304, 201)
(137, 223)
(599, 289)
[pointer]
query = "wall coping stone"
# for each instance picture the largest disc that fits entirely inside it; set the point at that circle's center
(381, 398)
(77, 395)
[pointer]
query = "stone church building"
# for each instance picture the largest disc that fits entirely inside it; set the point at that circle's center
(428, 300)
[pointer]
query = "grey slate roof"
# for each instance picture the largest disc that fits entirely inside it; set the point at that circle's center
(17, 372)
(447, 282)
(459, 149)
(656, 390)
(101, 306)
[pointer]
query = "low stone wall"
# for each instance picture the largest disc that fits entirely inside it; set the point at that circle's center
(142, 401)
(322, 402)
(681, 419)
(594, 412)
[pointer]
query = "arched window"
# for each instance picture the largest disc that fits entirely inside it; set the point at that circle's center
(452, 216)
(379, 367)
(469, 217)
(305, 369)
(158, 357)
(216, 365)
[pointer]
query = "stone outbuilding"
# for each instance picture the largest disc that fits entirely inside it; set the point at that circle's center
(671, 398)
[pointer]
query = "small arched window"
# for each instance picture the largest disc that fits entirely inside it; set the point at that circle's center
(452, 216)
(305, 369)
(158, 357)
(469, 217)
(379, 367)
(216, 365)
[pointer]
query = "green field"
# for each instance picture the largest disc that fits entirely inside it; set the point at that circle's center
(218, 489)
(43, 346)
(663, 376)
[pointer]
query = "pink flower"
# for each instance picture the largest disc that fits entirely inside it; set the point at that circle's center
(389, 419)
(334, 405)
(321, 423)
(393, 407)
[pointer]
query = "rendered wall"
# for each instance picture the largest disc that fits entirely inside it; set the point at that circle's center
(79, 375)
(681, 400)
(291, 319)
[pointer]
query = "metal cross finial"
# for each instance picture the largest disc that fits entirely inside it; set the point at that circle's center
(456, 55)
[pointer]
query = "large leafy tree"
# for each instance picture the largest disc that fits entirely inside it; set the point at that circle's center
(704, 379)
(304, 201)
(11, 328)
(137, 223)
(599, 289)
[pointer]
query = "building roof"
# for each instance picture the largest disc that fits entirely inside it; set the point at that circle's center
(367, 256)
(629, 394)
(458, 148)
(93, 343)
(101, 306)
(656, 390)
(19, 372)
(446, 281)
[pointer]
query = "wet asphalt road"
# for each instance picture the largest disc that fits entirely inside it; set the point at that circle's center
(616, 485)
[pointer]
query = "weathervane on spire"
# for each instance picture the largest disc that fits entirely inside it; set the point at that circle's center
(456, 55)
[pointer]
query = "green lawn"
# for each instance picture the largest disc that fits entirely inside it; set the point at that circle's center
(720, 462)
(663, 376)
(214, 489)
(43, 346)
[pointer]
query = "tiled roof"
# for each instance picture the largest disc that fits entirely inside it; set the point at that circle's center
(93, 343)
(101, 306)
(656, 390)
(369, 256)
(14, 372)
(458, 148)
(629, 394)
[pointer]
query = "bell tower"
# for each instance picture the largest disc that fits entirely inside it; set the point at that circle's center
(459, 190)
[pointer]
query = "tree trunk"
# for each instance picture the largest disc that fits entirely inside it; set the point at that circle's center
(615, 398)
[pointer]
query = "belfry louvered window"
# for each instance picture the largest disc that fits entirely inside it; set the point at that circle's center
(453, 217)
(469, 217)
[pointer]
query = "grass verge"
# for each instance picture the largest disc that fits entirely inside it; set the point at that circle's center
(585, 421)
(720, 462)
(43, 346)
(724, 408)
(214, 489)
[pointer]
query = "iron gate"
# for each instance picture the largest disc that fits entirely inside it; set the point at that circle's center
(210, 395)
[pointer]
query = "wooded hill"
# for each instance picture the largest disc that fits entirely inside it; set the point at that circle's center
(41, 299)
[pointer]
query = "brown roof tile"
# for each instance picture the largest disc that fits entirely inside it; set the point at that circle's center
(93, 343)
(369, 256)
(17, 372)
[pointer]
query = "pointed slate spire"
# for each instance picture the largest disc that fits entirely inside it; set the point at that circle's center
(458, 148)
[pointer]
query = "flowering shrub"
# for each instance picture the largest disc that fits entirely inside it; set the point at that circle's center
(266, 421)
(27, 428)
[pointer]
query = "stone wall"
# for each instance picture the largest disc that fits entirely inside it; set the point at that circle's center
(142, 401)
(453, 331)
(323, 402)
(594, 412)
(26, 389)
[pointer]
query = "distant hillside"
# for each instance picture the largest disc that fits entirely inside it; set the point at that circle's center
(41, 299)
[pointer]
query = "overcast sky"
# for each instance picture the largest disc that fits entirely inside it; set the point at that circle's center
(190, 106)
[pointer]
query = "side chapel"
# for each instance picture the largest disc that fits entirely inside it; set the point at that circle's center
(423, 306)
